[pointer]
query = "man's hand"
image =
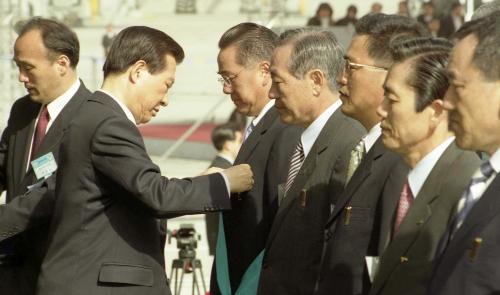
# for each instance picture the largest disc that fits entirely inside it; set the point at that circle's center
(240, 178)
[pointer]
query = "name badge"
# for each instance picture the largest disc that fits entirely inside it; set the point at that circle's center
(44, 166)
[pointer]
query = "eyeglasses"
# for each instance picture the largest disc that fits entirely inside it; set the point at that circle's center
(349, 66)
(228, 80)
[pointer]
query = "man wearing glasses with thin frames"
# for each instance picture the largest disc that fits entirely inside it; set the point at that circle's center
(354, 233)
(245, 53)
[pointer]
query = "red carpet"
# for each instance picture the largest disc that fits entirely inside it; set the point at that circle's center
(173, 132)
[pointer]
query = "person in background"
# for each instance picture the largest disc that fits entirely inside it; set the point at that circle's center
(107, 38)
(450, 23)
(427, 14)
(323, 17)
(403, 8)
(376, 8)
(350, 17)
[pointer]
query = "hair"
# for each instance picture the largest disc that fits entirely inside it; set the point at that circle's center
(486, 9)
(428, 57)
(255, 43)
(324, 6)
(56, 37)
(487, 52)
(455, 5)
(141, 43)
(352, 8)
(223, 133)
(383, 29)
(314, 49)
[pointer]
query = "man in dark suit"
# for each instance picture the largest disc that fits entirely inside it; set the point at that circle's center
(244, 60)
(415, 125)
(304, 68)
(353, 228)
(103, 232)
(46, 53)
(226, 138)
(470, 260)
(450, 23)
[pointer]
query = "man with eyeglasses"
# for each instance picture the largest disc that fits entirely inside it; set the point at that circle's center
(243, 60)
(352, 234)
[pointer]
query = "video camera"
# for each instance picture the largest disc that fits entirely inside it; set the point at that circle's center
(187, 240)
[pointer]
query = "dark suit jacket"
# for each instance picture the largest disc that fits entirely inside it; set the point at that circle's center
(293, 249)
(103, 234)
(447, 27)
(212, 219)
(348, 239)
(220, 162)
(15, 146)
(461, 270)
(405, 266)
(267, 150)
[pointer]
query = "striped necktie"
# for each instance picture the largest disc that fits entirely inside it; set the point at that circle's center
(295, 164)
(469, 199)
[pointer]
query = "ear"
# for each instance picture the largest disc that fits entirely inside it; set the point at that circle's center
(63, 64)
(264, 71)
(138, 69)
(438, 111)
(317, 80)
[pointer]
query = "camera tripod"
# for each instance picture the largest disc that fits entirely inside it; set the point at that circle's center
(187, 263)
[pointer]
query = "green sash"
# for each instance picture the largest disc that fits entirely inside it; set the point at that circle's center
(250, 280)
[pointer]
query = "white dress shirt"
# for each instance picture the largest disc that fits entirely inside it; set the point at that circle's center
(312, 132)
(371, 137)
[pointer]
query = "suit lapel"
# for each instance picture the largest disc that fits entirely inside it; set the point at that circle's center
(486, 208)
(254, 138)
(418, 215)
(362, 172)
(56, 131)
(327, 135)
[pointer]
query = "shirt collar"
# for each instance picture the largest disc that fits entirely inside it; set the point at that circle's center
(421, 171)
(495, 161)
(125, 109)
(309, 135)
(372, 136)
(56, 106)
(262, 113)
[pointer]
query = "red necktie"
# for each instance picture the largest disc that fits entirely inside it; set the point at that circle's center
(405, 201)
(41, 128)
